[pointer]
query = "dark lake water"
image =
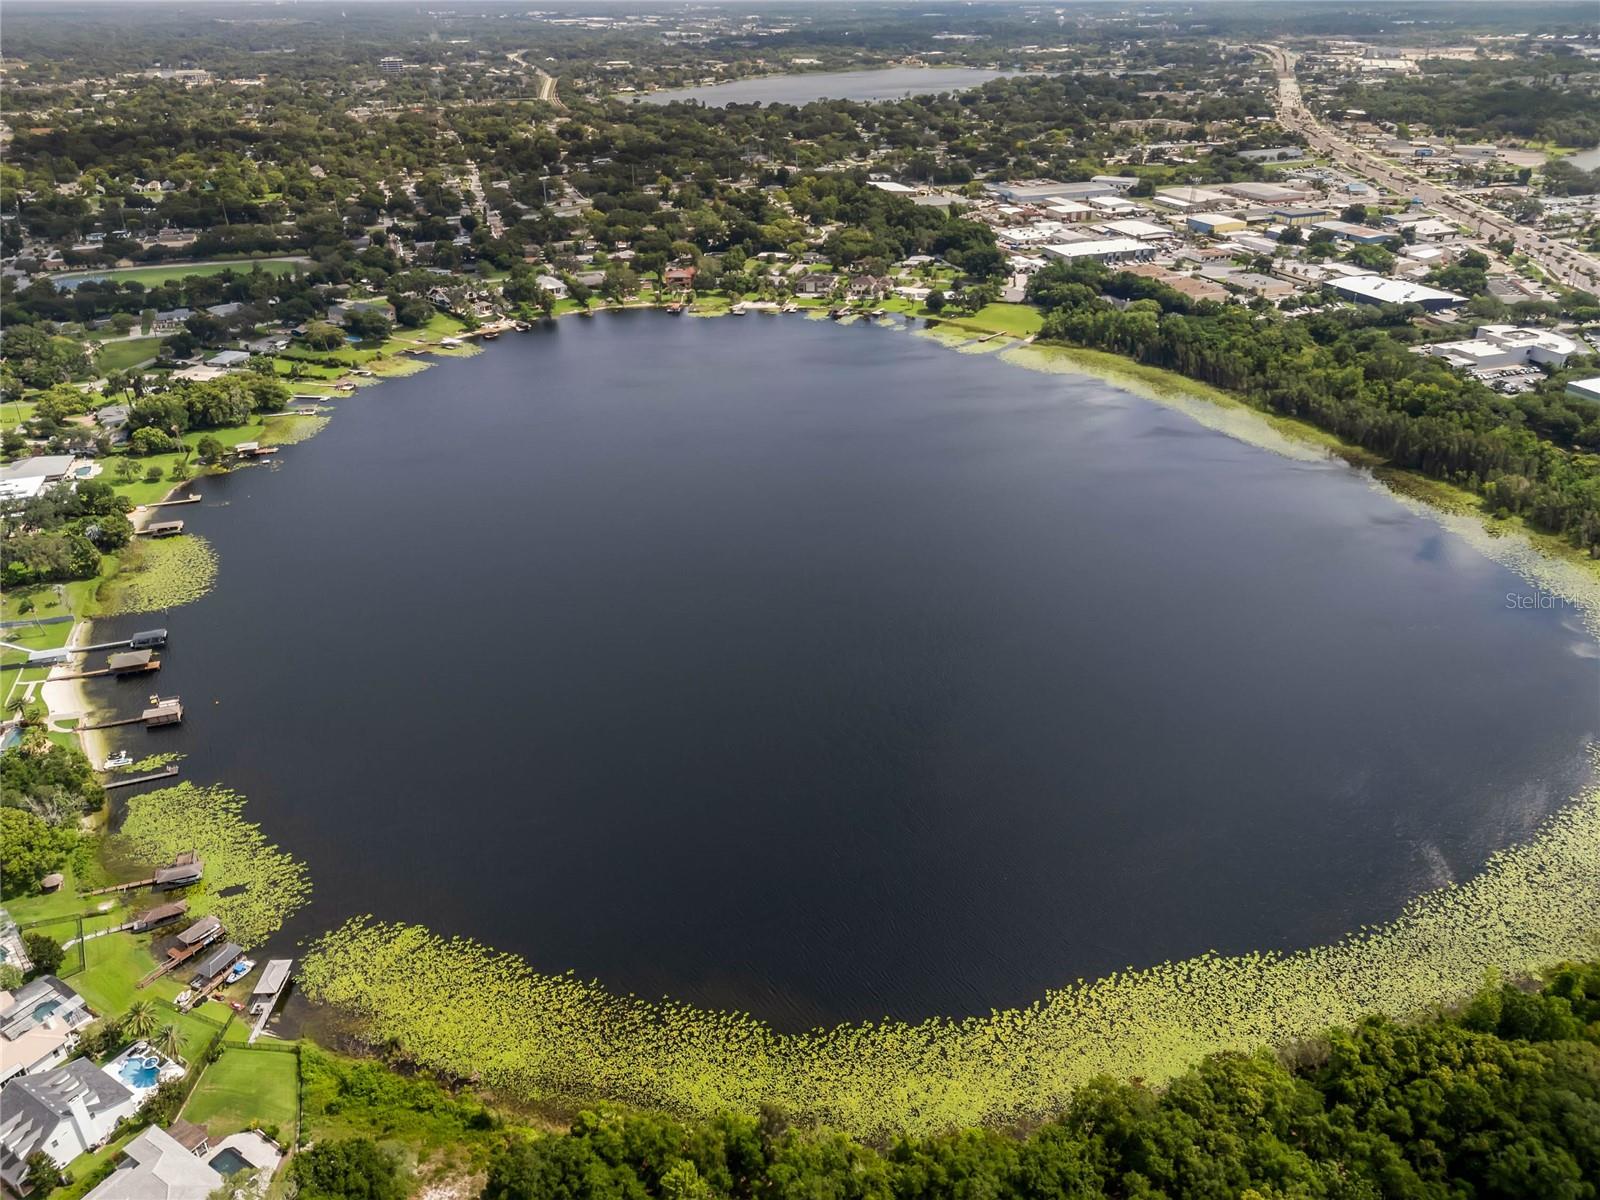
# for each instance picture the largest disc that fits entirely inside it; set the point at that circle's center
(827, 673)
(886, 83)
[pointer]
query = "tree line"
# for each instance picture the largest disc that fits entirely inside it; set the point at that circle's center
(1351, 372)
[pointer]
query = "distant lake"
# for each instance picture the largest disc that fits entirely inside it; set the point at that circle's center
(886, 83)
(826, 673)
(1586, 160)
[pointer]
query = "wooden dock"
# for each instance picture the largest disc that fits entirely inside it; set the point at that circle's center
(176, 957)
(165, 773)
(191, 498)
(160, 712)
(153, 665)
(120, 887)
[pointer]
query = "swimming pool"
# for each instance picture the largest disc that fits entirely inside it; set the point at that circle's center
(140, 1072)
(229, 1161)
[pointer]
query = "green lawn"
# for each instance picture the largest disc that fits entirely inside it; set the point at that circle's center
(119, 356)
(15, 412)
(165, 274)
(116, 963)
(244, 1087)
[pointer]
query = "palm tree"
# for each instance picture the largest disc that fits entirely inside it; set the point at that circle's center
(168, 1042)
(140, 1019)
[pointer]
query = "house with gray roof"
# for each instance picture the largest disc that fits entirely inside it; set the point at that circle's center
(39, 1025)
(156, 1166)
(63, 1113)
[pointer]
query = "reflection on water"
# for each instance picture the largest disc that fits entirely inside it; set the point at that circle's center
(825, 673)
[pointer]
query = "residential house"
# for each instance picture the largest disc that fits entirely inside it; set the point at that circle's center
(156, 1166)
(63, 1113)
(870, 286)
(39, 1025)
(817, 284)
(679, 277)
(339, 314)
(171, 320)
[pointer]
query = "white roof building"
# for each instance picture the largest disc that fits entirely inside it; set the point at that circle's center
(1585, 389)
(1186, 198)
(1104, 250)
(1376, 289)
(1144, 231)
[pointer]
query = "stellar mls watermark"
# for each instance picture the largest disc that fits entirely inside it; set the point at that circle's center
(1539, 600)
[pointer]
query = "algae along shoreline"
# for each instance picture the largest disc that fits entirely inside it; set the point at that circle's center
(555, 1039)
(560, 1040)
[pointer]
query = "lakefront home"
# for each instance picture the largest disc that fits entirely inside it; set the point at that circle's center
(63, 1113)
(39, 1025)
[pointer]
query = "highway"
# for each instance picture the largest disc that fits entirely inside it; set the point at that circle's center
(1558, 261)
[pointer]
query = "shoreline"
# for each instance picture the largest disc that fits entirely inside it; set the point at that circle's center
(1211, 407)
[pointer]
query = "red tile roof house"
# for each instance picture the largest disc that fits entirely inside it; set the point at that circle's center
(678, 277)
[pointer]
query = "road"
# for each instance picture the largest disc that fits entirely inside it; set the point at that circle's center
(1558, 261)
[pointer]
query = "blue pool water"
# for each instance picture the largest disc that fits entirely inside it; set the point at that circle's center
(229, 1161)
(137, 1073)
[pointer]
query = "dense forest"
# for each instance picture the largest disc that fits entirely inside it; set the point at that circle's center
(1543, 99)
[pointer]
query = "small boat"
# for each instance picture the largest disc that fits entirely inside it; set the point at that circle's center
(880, 312)
(240, 969)
(737, 310)
(675, 309)
(835, 314)
(120, 759)
(490, 335)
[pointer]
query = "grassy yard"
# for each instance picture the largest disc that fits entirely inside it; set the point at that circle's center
(150, 276)
(15, 412)
(246, 1087)
(119, 356)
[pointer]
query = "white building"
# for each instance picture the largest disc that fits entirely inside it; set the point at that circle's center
(1106, 250)
(1585, 389)
(1143, 231)
(1506, 346)
(63, 1113)
(1190, 199)
(1375, 289)
(1071, 211)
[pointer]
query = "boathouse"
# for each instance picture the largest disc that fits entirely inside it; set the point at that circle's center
(128, 661)
(180, 874)
(163, 712)
(215, 963)
(161, 529)
(159, 915)
(201, 932)
(274, 977)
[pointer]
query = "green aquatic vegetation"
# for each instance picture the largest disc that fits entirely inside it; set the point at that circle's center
(250, 883)
(167, 573)
(292, 427)
(559, 1038)
(152, 762)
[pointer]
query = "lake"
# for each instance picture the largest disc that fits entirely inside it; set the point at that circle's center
(881, 83)
(827, 673)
